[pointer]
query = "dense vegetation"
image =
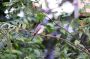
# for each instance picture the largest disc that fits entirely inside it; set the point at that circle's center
(17, 41)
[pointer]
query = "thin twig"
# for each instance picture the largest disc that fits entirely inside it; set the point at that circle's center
(68, 42)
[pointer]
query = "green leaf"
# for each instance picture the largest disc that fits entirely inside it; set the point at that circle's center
(50, 27)
(16, 52)
(77, 42)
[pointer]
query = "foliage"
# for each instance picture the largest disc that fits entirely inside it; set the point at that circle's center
(16, 35)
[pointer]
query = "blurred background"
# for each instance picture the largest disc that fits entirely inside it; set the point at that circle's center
(18, 19)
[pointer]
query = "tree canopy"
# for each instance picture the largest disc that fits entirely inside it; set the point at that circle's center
(17, 41)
